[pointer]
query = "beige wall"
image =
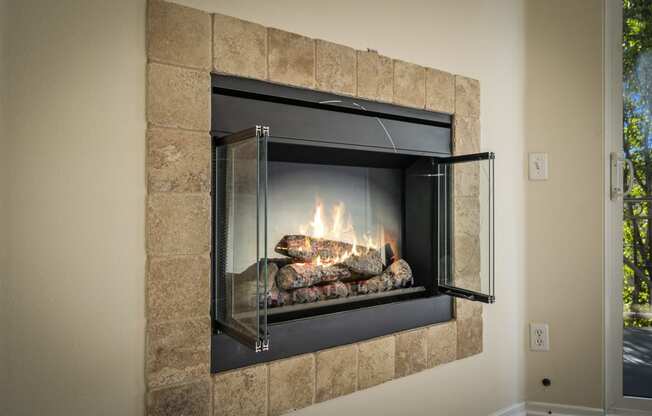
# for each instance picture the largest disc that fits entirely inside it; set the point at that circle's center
(76, 126)
(76, 155)
(564, 214)
(4, 218)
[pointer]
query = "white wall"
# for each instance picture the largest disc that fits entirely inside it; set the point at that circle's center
(564, 215)
(75, 123)
(481, 39)
(76, 151)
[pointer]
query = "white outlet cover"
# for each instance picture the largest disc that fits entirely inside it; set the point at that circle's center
(539, 337)
(538, 166)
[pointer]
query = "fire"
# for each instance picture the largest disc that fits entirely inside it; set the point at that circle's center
(339, 227)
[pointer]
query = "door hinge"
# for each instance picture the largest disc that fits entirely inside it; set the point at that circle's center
(262, 345)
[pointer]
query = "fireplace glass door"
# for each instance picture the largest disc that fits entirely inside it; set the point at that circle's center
(303, 230)
(466, 226)
(240, 246)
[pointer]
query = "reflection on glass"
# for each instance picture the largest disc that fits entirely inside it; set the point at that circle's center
(637, 234)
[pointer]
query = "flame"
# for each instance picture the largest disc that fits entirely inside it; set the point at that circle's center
(317, 224)
(338, 227)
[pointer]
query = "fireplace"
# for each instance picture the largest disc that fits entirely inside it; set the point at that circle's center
(336, 220)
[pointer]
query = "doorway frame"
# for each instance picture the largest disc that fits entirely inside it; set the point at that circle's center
(614, 402)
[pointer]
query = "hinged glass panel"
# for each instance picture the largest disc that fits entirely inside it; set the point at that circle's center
(240, 262)
(465, 226)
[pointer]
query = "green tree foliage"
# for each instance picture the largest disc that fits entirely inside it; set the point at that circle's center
(637, 137)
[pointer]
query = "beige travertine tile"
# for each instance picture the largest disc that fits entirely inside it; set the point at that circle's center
(466, 135)
(442, 343)
(178, 160)
(469, 337)
(375, 76)
(177, 287)
(178, 35)
(466, 178)
(411, 352)
(335, 67)
(291, 58)
(241, 392)
(178, 223)
(469, 281)
(440, 91)
(239, 47)
(178, 351)
(409, 84)
(291, 384)
(466, 252)
(337, 372)
(178, 97)
(375, 362)
(187, 400)
(465, 309)
(466, 215)
(467, 96)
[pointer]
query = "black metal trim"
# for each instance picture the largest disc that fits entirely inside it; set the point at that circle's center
(467, 158)
(326, 331)
(265, 91)
(239, 136)
(353, 303)
(466, 294)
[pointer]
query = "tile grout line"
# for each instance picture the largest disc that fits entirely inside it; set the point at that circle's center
(178, 65)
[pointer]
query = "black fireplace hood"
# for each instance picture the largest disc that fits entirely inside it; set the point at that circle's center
(312, 118)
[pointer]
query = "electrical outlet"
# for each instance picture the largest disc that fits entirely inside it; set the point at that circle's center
(539, 339)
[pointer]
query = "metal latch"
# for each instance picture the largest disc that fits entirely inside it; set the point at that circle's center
(619, 188)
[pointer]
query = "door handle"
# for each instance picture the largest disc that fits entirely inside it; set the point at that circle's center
(619, 188)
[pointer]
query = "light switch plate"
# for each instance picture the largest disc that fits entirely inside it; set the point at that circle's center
(538, 166)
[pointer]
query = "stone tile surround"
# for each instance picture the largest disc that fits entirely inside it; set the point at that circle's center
(183, 46)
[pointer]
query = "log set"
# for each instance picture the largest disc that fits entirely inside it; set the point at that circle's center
(361, 261)
(396, 276)
(299, 275)
(298, 278)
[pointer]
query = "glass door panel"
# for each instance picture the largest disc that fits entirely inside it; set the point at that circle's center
(637, 200)
(465, 226)
(240, 259)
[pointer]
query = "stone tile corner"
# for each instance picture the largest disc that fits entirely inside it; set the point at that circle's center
(467, 96)
(178, 35)
(193, 399)
(177, 351)
(469, 337)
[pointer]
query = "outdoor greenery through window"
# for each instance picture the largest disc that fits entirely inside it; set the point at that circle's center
(637, 137)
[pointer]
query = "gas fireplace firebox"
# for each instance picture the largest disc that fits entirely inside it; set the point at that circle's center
(337, 220)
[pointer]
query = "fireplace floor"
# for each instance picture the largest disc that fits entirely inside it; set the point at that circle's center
(340, 301)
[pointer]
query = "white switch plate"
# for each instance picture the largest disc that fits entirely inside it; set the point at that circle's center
(538, 166)
(539, 337)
